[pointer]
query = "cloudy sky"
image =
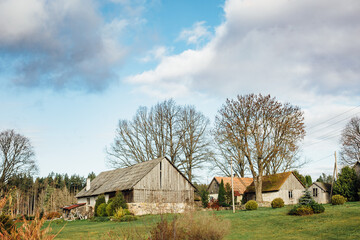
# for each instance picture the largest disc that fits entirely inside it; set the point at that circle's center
(70, 69)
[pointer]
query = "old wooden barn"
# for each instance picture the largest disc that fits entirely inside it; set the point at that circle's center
(150, 187)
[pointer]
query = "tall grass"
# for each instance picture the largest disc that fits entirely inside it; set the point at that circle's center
(28, 230)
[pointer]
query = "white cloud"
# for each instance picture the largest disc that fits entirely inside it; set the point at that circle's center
(157, 53)
(302, 51)
(274, 47)
(195, 35)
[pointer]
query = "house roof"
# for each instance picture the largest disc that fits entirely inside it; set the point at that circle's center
(271, 183)
(73, 206)
(240, 184)
(119, 179)
(324, 186)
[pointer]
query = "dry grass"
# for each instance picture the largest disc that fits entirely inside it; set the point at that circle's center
(191, 226)
(28, 230)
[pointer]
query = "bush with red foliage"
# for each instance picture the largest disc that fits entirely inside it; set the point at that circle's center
(214, 204)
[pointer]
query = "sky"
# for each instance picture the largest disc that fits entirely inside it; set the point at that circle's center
(70, 69)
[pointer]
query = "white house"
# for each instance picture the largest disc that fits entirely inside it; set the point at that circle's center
(282, 185)
(320, 192)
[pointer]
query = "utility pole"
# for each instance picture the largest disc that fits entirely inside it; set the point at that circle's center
(333, 178)
(232, 186)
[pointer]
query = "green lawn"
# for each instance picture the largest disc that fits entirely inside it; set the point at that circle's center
(338, 222)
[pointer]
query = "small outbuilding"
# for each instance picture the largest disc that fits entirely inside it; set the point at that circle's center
(282, 185)
(320, 192)
(240, 185)
(150, 187)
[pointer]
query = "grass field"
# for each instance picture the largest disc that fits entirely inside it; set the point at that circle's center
(338, 222)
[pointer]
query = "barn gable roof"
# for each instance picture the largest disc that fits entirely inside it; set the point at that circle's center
(119, 179)
(271, 183)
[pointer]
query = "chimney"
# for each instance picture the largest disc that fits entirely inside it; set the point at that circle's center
(88, 184)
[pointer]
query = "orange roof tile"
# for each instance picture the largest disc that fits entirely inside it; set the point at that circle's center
(240, 184)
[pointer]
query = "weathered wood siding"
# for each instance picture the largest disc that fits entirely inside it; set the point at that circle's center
(163, 184)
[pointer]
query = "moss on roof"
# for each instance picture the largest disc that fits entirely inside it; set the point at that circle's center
(271, 183)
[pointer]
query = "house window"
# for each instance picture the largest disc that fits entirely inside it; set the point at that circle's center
(290, 194)
(88, 201)
(315, 192)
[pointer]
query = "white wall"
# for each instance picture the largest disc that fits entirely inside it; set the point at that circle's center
(322, 197)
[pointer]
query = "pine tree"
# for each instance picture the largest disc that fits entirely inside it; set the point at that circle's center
(222, 192)
(306, 199)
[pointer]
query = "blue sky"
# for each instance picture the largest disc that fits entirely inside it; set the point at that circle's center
(70, 69)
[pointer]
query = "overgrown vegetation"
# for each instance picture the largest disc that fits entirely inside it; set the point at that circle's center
(190, 226)
(27, 230)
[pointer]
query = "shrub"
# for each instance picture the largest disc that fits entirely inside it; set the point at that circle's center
(214, 204)
(52, 215)
(116, 202)
(251, 205)
(121, 212)
(101, 210)
(109, 209)
(99, 200)
(338, 200)
(277, 203)
(301, 210)
(317, 208)
(304, 210)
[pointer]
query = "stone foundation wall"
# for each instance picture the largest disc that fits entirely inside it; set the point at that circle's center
(159, 208)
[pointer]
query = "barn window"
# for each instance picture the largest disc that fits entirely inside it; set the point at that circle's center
(160, 174)
(88, 201)
(290, 194)
(315, 192)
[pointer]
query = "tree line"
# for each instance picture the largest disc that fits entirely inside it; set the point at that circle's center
(257, 133)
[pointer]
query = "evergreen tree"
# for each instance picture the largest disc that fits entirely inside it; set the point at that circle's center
(347, 184)
(306, 199)
(221, 195)
(99, 200)
(204, 194)
(228, 194)
(300, 177)
(308, 180)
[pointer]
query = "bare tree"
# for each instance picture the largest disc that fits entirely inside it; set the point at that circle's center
(262, 128)
(166, 130)
(16, 156)
(350, 140)
(195, 143)
(226, 152)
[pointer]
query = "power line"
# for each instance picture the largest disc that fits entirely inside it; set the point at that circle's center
(336, 122)
(333, 117)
